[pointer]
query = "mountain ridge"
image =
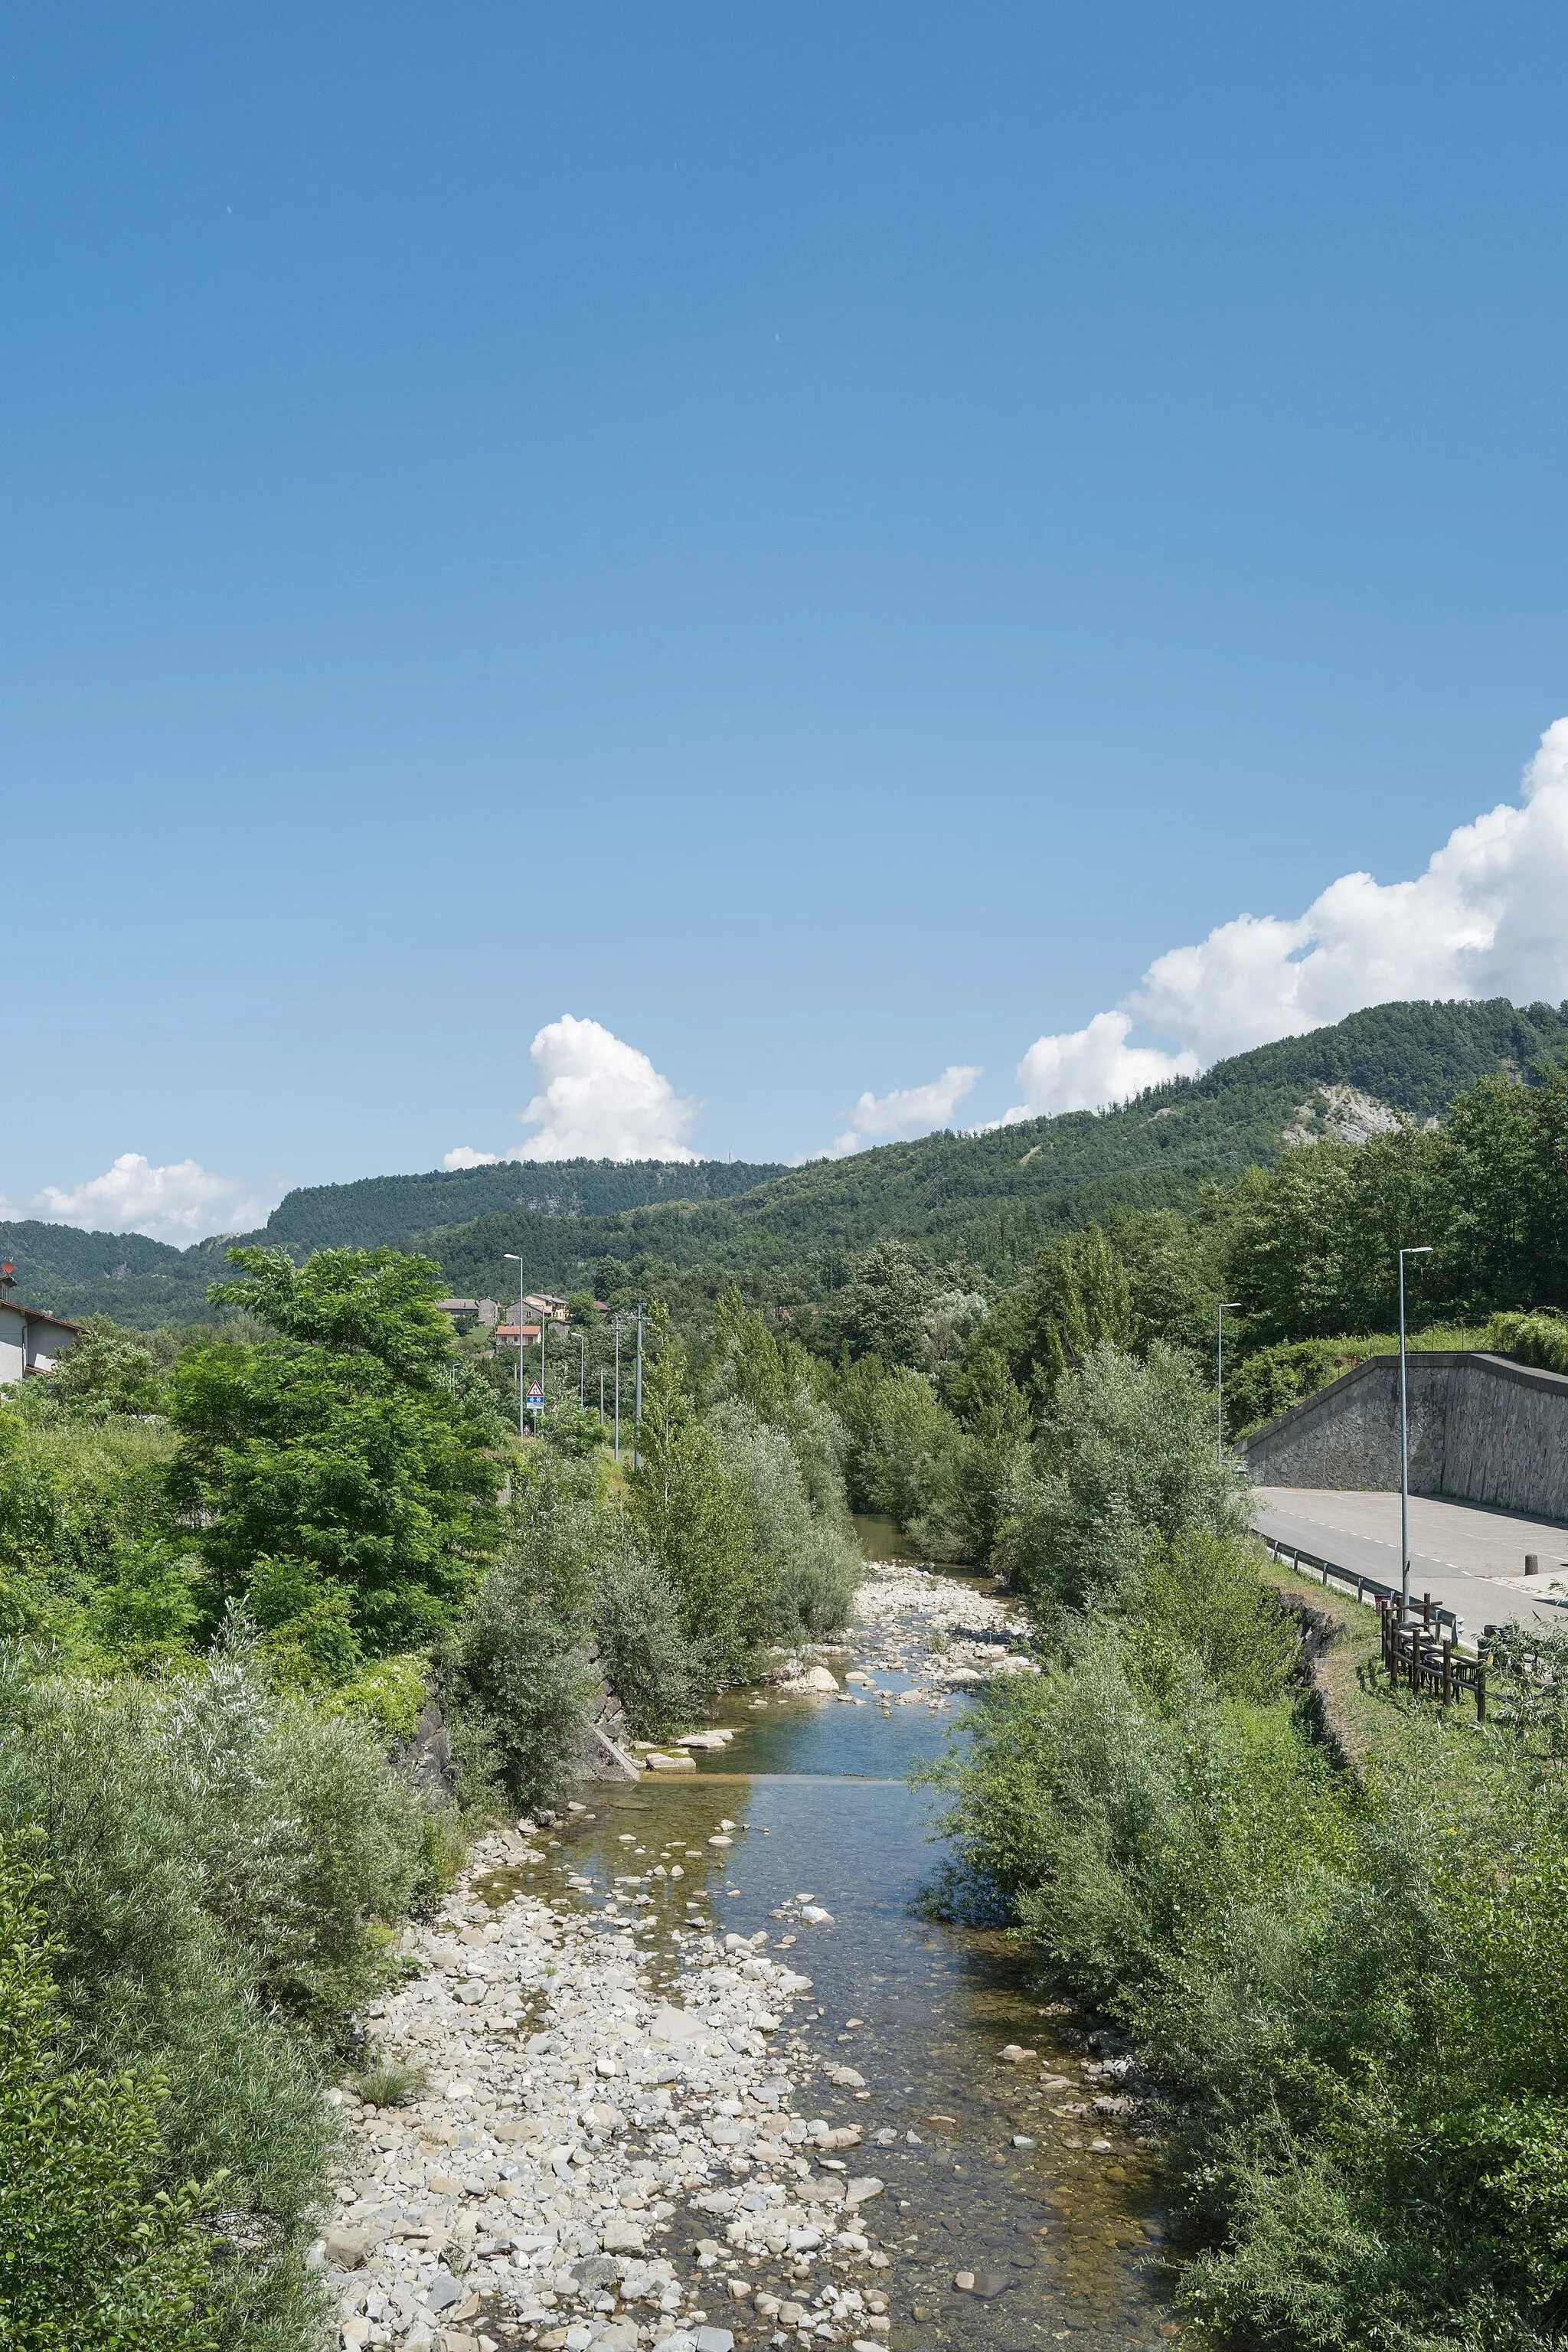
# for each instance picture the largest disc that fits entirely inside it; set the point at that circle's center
(985, 1201)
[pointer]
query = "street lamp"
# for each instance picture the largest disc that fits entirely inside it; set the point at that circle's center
(1219, 1408)
(636, 1425)
(1424, 1251)
(522, 1391)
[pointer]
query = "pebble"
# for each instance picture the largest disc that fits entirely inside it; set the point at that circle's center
(512, 2189)
(574, 2108)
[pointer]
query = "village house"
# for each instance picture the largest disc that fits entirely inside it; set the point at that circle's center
(30, 1340)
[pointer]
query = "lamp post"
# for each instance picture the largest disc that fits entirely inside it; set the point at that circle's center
(1424, 1251)
(514, 1259)
(636, 1425)
(1219, 1409)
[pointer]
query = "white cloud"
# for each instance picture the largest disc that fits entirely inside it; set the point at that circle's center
(1084, 1069)
(1487, 918)
(464, 1156)
(909, 1110)
(599, 1099)
(182, 1202)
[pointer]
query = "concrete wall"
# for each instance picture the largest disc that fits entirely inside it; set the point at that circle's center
(1482, 1429)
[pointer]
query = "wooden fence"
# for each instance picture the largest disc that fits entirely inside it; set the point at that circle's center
(1421, 1654)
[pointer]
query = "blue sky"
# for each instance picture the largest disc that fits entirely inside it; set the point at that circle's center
(821, 540)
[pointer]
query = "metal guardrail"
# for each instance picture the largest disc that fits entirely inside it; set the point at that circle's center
(1368, 1589)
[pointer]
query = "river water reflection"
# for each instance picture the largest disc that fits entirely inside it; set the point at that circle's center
(1066, 2236)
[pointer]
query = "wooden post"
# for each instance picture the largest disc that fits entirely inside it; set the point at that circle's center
(1480, 1693)
(1447, 1674)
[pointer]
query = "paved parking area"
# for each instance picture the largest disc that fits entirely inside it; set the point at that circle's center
(1470, 1558)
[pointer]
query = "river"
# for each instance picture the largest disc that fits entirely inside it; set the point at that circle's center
(1057, 2214)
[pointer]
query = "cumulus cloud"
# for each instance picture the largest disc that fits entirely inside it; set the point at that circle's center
(1082, 1069)
(464, 1156)
(182, 1202)
(600, 1098)
(1485, 918)
(909, 1110)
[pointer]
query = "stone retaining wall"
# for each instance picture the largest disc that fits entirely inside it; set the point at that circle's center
(1483, 1430)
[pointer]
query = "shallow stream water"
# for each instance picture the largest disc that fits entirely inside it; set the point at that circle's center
(1065, 2237)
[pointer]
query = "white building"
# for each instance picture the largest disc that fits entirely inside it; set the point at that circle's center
(30, 1341)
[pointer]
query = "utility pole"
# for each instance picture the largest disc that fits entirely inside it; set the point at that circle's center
(617, 1388)
(582, 1369)
(514, 1259)
(637, 1426)
(601, 1396)
(1425, 1251)
(1219, 1409)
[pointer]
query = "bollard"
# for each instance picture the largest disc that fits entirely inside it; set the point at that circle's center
(1533, 1563)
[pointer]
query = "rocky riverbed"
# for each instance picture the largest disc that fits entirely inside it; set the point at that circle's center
(631, 2129)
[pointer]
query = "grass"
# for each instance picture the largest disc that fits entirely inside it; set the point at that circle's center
(1371, 1722)
(386, 2084)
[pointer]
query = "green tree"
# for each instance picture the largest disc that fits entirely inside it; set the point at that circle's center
(339, 1445)
(691, 1514)
(881, 1310)
(1078, 1299)
(994, 1416)
(106, 1371)
(1126, 1458)
(1502, 1228)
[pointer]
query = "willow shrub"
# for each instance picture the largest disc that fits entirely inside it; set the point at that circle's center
(92, 2251)
(515, 1672)
(1355, 1992)
(807, 1564)
(224, 1868)
(649, 1663)
(1126, 1456)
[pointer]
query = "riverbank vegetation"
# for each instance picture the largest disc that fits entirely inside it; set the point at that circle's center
(1347, 1985)
(235, 1573)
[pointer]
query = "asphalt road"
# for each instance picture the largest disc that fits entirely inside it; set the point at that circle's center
(1469, 1559)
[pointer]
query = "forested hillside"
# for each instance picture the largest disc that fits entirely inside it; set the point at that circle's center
(395, 1211)
(986, 1203)
(983, 1205)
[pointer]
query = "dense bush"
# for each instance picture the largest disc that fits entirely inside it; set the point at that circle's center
(515, 1675)
(904, 1453)
(1269, 1381)
(1540, 1339)
(1351, 1991)
(807, 1560)
(90, 1554)
(654, 1670)
(219, 1861)
(1127, 1455)
(93, 2250)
